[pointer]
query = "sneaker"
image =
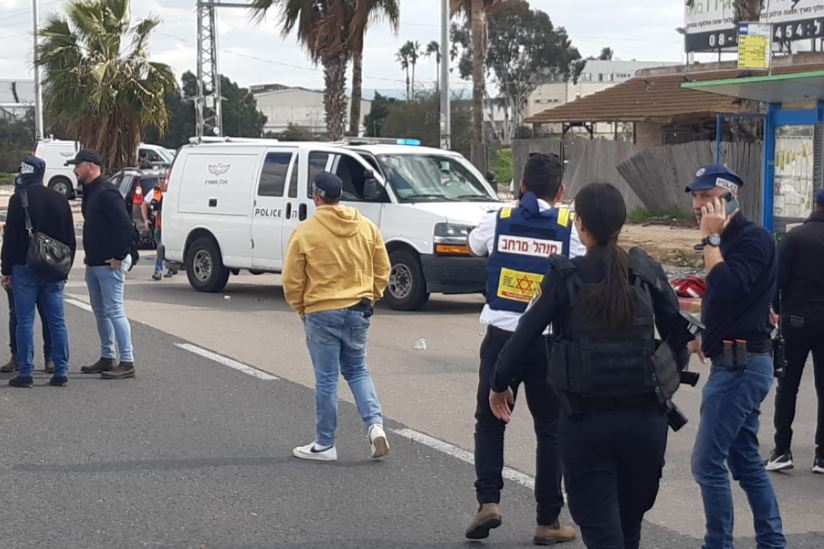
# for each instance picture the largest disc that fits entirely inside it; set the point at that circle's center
(121, 371)
(58, 381)
(315, 452)
(10, 366)
(157, 275)
(377, 441)
(818, 465)
(49, 366)
(103, 364)
(170, 273)
(779, 462)
(21, 381)
(556, 533)
(487, 518)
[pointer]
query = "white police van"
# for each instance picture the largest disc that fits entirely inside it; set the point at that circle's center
(233, 203)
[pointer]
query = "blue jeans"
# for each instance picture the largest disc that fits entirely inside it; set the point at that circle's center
(337, 344)
(728, 437)
(29, 290)
(106, 288)
(158, 237)
(47, 350)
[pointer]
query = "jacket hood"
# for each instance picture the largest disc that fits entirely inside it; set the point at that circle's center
(342, 221)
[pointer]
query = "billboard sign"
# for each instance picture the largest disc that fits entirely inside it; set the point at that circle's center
(709, 25)
(795, 19)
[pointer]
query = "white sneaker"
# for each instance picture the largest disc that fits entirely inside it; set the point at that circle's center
(377, 441)
(312, 451)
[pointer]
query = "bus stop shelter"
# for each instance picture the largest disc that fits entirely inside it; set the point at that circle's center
(793, 163)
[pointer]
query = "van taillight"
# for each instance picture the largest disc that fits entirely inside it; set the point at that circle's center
(138, 195)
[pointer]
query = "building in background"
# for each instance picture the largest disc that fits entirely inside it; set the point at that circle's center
(303, 107)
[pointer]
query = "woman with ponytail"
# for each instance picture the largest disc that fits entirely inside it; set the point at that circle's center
(603, 309)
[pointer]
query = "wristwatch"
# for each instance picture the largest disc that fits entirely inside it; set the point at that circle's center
(713, 240)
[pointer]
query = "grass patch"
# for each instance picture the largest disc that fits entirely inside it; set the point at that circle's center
(7, 178)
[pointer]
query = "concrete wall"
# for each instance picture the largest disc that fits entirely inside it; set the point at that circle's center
(297, 106)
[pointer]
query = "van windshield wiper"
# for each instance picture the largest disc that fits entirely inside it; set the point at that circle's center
(428, 196)
(476, 198)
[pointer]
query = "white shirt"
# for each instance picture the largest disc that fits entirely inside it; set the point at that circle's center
(482, 241)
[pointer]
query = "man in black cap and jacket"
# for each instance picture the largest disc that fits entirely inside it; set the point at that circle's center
(800, 302)
(50, 214)
(108, 234)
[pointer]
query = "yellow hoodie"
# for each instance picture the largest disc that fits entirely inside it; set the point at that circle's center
(334, 259)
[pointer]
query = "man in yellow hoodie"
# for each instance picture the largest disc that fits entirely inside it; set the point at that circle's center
(336, 268)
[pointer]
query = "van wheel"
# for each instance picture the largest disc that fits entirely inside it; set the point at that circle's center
(204, 266)
(62, 185)
(407, 288)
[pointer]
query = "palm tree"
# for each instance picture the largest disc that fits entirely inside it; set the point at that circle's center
(323, 28)
(403, 58)
(99, 80)
(477, 11)
(434, 48)
(366, 12)
(414, 54)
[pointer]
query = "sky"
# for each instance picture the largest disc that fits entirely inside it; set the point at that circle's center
(251, 53)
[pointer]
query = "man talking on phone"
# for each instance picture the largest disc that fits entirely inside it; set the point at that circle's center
(741, 270)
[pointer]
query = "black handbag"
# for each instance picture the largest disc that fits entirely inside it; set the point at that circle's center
(47, 257)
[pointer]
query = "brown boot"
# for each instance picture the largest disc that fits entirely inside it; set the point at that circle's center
(556, 533)
(49, 367)
(10, 366)
(487, 518)
(103, 364)
(121, 371)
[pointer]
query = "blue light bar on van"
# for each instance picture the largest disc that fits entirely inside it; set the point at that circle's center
(412, 142)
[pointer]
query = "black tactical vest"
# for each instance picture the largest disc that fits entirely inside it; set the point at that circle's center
(591, 361)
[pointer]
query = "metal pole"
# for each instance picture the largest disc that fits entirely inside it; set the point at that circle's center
(446, 123)
(38, 93)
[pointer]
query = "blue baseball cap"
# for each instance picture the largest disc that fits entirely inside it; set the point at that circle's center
(715, 175)
(327, 185)
(31, 171)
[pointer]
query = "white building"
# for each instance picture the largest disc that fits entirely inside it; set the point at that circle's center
(299, 106)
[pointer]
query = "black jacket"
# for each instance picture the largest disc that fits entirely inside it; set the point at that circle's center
(108, 231)
(801, 271)
(50, 214)
(554, 305)
(736, 304)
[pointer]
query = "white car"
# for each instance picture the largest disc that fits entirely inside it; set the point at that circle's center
(58, 176)
(233, 203)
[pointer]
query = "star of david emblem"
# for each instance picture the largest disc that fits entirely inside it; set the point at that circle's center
(524, 284)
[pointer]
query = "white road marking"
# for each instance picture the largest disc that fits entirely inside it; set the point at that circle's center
(220, 359)
(78, 303)
(459, 453)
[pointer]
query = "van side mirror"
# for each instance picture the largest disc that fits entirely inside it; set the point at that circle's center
(490, 176)
(372, 190)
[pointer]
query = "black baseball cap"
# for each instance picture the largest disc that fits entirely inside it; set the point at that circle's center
(327, 185)
(86, 155)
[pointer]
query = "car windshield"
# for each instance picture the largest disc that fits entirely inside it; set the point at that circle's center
(435, 178)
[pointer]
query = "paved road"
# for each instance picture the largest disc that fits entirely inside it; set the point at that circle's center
(193, 453)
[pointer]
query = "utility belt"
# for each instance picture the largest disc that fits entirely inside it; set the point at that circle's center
(626, 403)
(363, 306)
(734, 354)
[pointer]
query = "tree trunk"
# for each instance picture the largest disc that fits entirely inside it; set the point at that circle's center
(478, 148)
(747, 10)
(357, 93)
(334, 98)
(407, 84)
(413, 80)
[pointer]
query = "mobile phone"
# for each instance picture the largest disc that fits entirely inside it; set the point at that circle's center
(730, 204)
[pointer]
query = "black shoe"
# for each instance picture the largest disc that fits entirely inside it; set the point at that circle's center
(121, 371)
(21, 381)
(103, 364)
(818, 465)
(58, 381)
(170, 273)
(779, 461)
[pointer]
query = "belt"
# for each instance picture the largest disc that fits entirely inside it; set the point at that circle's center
(758, 347)
(626, 403)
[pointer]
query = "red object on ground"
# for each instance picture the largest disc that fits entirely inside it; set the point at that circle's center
(691, 286)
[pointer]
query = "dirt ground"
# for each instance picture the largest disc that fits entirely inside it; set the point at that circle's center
(671, 245)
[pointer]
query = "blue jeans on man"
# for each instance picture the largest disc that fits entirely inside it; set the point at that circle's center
(336, 341)
(158, 238)
(728, 437)
(29, 291)
(106, 288)
(47, 343)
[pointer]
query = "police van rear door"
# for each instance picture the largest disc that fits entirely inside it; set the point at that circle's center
(268, 211)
